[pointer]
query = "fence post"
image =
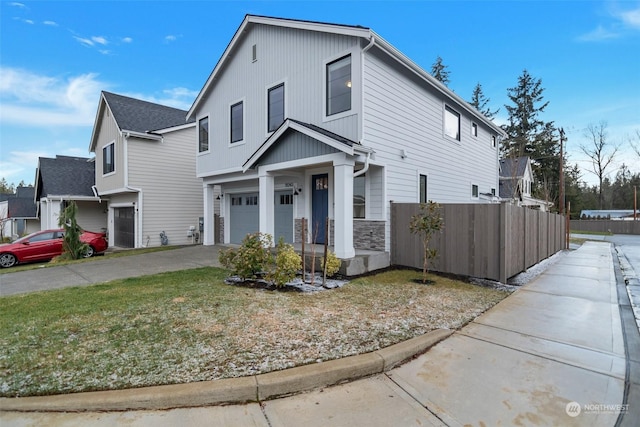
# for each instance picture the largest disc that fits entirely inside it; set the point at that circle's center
(503, 228)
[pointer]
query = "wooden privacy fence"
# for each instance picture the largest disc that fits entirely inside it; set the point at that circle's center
(492, 241)
(606, 226)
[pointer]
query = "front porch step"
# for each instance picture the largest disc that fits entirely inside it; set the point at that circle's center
(364, 262)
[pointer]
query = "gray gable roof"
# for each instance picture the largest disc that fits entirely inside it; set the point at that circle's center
(142, 116)
(513, 168)
(62, 176)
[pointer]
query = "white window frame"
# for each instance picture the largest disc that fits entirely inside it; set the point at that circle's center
(266, 102)
(113, 143)
(418, 175)
(244, 123)
(208, 136)
(474, 130)
(356, 85)
(494, 141)
(446, 109)
(477, 188)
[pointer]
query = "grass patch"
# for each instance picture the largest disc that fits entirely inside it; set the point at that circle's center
(189, 326)
(592, 233)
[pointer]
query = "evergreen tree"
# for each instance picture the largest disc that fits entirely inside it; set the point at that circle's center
(479, 101)
(72, 246)
(440, 71)
(5, 187)
(529, 135)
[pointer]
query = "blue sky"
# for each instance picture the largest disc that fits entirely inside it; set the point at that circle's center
(56, 57)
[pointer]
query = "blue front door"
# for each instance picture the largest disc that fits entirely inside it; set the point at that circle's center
(319, 207)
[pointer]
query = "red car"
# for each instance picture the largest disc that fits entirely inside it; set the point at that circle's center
(46, 244)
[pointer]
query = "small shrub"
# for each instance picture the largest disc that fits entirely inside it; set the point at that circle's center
(250, 259)
(285, 266)
(333, 263)
(426, 223)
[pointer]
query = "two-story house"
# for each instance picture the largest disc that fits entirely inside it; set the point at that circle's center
(516, 180)
(145, 170)
(312, 120)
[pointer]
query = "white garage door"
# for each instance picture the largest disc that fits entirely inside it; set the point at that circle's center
(283, 207)
(244, 216)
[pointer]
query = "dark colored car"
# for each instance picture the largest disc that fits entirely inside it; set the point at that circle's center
(46, 244)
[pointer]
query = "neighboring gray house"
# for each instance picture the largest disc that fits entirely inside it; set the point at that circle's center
(18, 213)
(312, 120)
(145, 170)
(516, 180)
(64, 179)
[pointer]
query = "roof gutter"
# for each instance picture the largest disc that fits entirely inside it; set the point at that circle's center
(142, 135)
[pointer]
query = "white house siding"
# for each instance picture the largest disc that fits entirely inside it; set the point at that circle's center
(92, 215)
(400, 112)
(171, 194)
(5, 222)
(294, 57)
(49, 213)
(108, 131)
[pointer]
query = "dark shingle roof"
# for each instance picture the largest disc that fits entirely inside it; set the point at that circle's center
(327, 133)
(513, 168)
(508, 188)
(22, 204)
(142, 116)
(62, 176)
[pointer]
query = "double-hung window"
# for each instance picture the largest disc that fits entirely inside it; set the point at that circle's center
(423, 189)
(275, 107)
(451, 123)
(203, 135)
(339, 86)
(108, 159)
(237, 122)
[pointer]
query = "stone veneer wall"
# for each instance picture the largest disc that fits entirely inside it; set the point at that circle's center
(366, 234)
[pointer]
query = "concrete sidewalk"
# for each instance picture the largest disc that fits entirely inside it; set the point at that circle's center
(550, 354)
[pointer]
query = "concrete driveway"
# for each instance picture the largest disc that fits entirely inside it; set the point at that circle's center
(104, 269)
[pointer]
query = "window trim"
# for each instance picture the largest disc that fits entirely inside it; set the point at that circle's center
(494, 141)
(113, 159)
(474, 130)
(268, 89)
(208, 135)
(356, 83)
(448, 109)
(477, 191)
(366, 183)
(426, 195)
(229, 119)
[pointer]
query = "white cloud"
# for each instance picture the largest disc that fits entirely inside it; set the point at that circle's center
(50, 23)
(105, 51)
(39, 100)
(100, 40)
(84, 41)
(631, 18)
(170, 38)
(19, 5)
(127, 40)
(26, 21)
(599, 34)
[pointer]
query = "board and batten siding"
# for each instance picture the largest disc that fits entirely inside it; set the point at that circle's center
(109, 132)
(292, 56)
(172, 198)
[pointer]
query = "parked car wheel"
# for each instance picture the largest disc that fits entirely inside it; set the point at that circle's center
(89, 252)
(7, 260)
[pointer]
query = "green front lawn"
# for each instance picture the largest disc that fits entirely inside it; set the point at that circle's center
(189, 326)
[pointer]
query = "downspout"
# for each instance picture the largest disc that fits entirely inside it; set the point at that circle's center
(365, 168)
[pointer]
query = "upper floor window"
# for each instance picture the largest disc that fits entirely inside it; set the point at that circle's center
(339, 86)
(275, 107)
(237, 122)
(423, 189)
(451, 123)
(474, 129)
(359, 197)
(493, 141)
(108, 158)
(474, 191)
(203, 135)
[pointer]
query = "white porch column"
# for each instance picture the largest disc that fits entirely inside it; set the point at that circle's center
(208, 238)
(343, 209)
(265, 202)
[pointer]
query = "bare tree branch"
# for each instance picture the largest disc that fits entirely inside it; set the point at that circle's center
(600, 151)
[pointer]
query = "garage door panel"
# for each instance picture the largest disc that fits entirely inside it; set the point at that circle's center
(244, 216)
